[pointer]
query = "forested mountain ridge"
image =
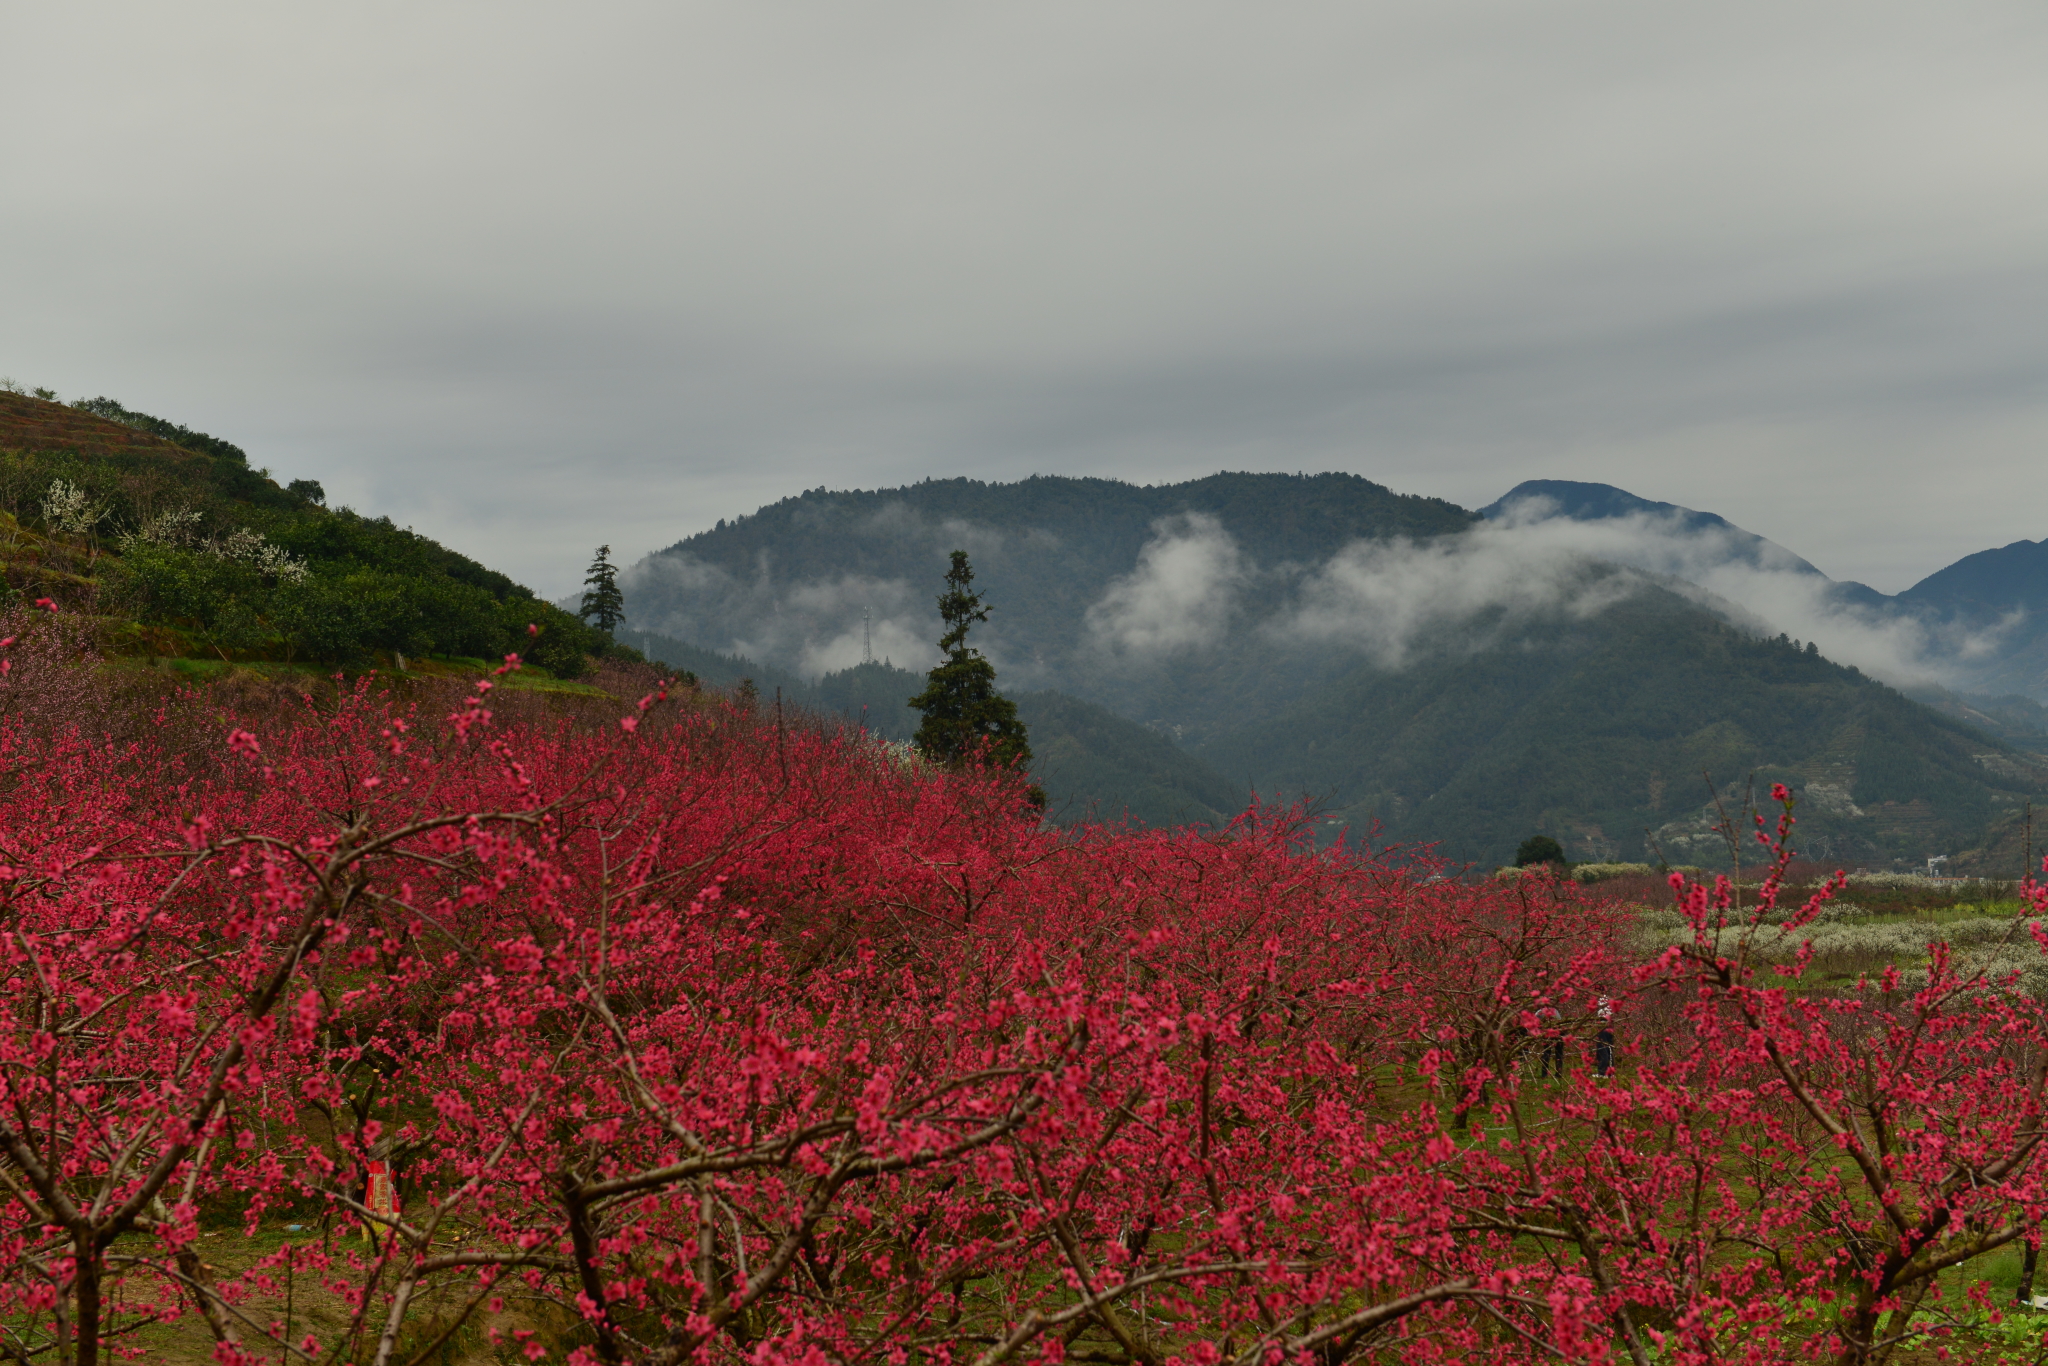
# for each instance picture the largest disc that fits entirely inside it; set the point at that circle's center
(1452, 679)
(789, 584)
(1272, 515)
(2003, 593)
(180, 548)
(1989, 582)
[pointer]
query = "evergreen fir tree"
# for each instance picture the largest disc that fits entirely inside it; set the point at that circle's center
(603, 604)
(964, 715)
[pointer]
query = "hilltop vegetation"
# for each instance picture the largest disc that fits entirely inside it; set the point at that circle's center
(1101, 523)
(182, 549)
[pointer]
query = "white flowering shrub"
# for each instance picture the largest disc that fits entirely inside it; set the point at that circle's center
(180, 531)
(173, 529)
(900, 755)
(243, 544)
(282, 565)
(69, 509)
(1905, 881)
(252, 548)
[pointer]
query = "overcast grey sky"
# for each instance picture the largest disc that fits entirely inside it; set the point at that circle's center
(533, 276)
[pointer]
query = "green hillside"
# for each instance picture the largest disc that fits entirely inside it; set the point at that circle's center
(1096, 765)
(181, 549)
(2014, 720)
(1599, 732)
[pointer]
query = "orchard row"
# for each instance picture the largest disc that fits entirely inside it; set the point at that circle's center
(701, 1034)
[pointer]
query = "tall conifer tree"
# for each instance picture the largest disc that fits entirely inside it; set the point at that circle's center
(963, 712)
(603, 604)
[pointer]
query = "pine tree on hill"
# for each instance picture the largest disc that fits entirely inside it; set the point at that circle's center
(964, 715)
(603, 604)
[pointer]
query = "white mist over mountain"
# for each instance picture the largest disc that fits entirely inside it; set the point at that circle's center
(1183, 595)
(1784, 593)
(821, 623)
(1384, 598)
(814, 626)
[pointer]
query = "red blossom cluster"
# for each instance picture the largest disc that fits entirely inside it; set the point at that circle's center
(725, 1039)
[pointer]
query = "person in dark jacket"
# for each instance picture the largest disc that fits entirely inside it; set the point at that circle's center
(1603, 1042)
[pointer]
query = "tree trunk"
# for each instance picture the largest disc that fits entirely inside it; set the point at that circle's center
(2023, 1296)
(86, 1296)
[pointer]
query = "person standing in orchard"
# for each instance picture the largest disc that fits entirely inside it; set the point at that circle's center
(1603, 1042)
(1550, 1057)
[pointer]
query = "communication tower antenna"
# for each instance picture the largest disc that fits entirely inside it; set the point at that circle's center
(867, 644)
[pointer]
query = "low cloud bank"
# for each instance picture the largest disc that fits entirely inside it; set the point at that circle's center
(1184, 594)
(1776, 587)
(1389, 599)
(814, 626)
(1385, 598)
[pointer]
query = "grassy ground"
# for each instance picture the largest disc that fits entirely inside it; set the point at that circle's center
(310, 1308)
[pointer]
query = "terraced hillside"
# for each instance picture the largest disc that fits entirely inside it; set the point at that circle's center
(35, 424)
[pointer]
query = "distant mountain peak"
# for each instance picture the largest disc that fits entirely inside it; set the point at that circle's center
(1586, 502)
(1987, 583)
